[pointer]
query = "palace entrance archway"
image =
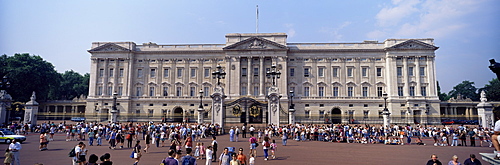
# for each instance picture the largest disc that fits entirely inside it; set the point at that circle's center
(336, 116)
(178, 114)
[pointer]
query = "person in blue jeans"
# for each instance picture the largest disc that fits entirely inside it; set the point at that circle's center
(284, 137)
(266, 145)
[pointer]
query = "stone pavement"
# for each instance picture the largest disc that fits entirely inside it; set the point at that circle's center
(293, 153)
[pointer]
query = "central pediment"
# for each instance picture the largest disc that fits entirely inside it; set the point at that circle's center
(255, 43)
(413, 45)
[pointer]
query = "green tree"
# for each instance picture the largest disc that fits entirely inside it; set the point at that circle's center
(466, 89)
(492, 90)
(73, 85)
(30, 73)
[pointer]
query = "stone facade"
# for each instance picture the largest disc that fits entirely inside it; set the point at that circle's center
(332, 82)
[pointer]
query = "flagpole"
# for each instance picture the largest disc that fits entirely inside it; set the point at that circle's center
(257, 20)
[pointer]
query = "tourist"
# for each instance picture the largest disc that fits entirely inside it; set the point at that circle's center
(266, 145)
(93, 160)
(209, 153)
(472, 160)
(236, 133)
(244, 131)
(253, 144)
(273, 149)
(136, 152)
(8, 157)
(197, 151)
(494, 138)
(284, 137)
(112, 140)
(251, 129)
(78, 149)
(463, 137)
(188, 143)
(106, 159)
(147, 140)
(241, 157)
(454, 161)
(251, 161)
(234, 161)
(188, 159)
(83, 155)
(202, 151)
(170, 160)
(225, 158)
(43, 141)
(231, 134)
(15, 147)
(214, 148)
(91, 135)
(472, 137)
(434, 160)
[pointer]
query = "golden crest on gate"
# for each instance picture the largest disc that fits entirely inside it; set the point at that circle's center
(254, 111)
(237, 111)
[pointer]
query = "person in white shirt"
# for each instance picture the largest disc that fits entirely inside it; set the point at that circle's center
(209, 153)
(15, 147)
(494, 138)
(251, 161)
(78, 151)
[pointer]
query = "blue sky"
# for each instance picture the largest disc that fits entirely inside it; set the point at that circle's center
(467, 31)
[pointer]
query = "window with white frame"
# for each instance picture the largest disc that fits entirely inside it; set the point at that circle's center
(380, 91)
(400, 91)
(110, 91)
(306, 72)
(151, 91)
(244, 71)
(306, 91)
(335, 72)
(410, 71)
(399, 71)
(255, 71)
(206, 91)
(139, 73)
(349, 71)
(178, 91)
(307, 114)
(321, 72)
(121, 72)
(422, 71)
(152, 73)
(206, 72)
(165, 91)
(193, 72)
(101, 72)
(365, 91)
(322, 114)
(165, 72)
(412, 91)
(423, 90)
(243, 90)
(364, 71)
(379, 72)
(111, 71)
(292, 72)
(99, 91)
(321, 91)
(335, 91)
(192, 91)
(138, 91)
(350, 91)
(120, 91)
(255, 90)
(179, 72)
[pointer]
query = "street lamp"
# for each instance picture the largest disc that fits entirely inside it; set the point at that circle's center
(219, 74)
(385, 112)
(200, 108)
(274, 74)
(291, 110)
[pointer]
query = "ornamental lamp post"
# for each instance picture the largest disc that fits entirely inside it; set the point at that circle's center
(114, 110)
(219, 74)
(291, 110)
(386, 112)
(274, 74)
(200, 108)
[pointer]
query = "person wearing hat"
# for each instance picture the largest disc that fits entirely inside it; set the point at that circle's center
(472, 160)
(241, 157)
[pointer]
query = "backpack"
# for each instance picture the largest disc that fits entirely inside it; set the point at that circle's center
(72, 153)
(129, 137)
(188, 160)
(267, 144)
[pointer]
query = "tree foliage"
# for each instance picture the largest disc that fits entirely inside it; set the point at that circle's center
(466, 89)
(442, 96)
(492, 90)
(28, 73)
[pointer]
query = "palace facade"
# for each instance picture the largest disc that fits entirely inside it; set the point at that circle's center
(331, 82)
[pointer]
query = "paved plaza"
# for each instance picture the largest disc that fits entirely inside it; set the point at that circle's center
(293, 153)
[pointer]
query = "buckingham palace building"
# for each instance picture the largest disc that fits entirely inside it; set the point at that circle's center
(264, 79)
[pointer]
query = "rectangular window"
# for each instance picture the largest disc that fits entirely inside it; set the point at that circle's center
(399, 71)
(165, 91)
(138, 91)
(321, 114)
(110, 91)
(364, 72)
(192, 91)
(99, 91)
(151, 91)
(335, 91)
(424, 91)
(379, 72)
(321, 91)
(152, 73)
(178, 91)
(365, 114)
(365, 91)
(400, 91)
(255, 71)
(193, 72)
(165, 72)
(111, 71)
(412, 91)
(121, 72)
(292, 72)
(422, 71)
(244, 71)
(350, 91)
(321, 71)
(335, 72)
(306, 72)
(349, 72)
(206, 72)
(410, 71)
(379, 91)
(306, 91)
(255, 91)
(403, 114)
(205, 91)
(139, 73)
(179, 72)
(243, 90)
(150, 113)
(101, 72)
(120, 91)
(307, 114)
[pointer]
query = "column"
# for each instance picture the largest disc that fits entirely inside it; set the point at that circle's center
(250, 67)
(418, 92)
(406, 88)
(261, 76)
